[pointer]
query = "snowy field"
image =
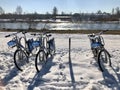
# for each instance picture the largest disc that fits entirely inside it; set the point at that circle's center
(82, 73)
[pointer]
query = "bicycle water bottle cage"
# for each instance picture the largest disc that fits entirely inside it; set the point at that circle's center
(12, 43)
(96, 45)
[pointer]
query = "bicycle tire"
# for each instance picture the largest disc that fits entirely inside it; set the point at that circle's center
(21, 60)
(104, 61)
(40, 60)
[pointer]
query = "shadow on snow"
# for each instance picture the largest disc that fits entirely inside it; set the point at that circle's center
(37, 79)
(11, 75)
(110, 80)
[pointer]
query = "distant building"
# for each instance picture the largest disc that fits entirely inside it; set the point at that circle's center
(63, 17)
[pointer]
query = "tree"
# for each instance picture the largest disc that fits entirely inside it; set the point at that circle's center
(55, 11)
(117, 11)
(113, 11)
(62, 13)
(47, 13)
(19, 10)
(1, 10)
(99, 12)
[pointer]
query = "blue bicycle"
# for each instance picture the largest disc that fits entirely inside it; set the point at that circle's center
(22, 53)
(99, 51)
(47, 49)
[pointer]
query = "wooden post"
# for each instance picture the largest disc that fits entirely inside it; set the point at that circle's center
(71, 67)
(69, 48)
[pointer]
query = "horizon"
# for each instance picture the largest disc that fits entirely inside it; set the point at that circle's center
(67, 6)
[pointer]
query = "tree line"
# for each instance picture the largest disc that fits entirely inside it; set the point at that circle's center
(76, 17)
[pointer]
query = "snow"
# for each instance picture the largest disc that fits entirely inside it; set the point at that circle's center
(80, 72)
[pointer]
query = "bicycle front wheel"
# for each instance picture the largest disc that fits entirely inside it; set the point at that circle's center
(40, 60)
(20, 59)
(104, 60)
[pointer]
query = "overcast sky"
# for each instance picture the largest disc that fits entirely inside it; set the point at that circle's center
(42, 6)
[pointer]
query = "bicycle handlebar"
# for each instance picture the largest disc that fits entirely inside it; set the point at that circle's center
(13, 34)
(101, 32)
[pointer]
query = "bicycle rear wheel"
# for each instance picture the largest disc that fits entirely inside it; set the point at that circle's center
(104, 60)
(40, 60)
(20, 59)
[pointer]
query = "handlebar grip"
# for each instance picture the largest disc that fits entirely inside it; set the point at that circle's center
(33, 34)
(7, 36)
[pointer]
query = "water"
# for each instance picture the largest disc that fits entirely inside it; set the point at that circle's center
(63, 26)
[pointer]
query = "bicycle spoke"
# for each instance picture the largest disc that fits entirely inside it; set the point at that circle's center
(103, 60)
(40, 60)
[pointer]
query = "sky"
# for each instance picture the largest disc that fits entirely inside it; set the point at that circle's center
(68, 6)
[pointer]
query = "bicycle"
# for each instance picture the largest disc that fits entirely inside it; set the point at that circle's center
(21, 55)
(48, 48)
(99, 51)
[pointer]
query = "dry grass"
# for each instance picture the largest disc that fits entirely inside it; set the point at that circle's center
(116, 32)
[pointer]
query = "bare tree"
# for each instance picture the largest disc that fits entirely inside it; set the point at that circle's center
(19, 10)
(113, 11)
(1, 10)
(55, 11)
(117, 11)
(62, 13)
(99, 12)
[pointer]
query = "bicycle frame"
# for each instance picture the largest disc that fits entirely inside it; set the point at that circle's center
(97, 42)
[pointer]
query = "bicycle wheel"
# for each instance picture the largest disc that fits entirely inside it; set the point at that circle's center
(20, 59)
(40, 60)
(104, 59)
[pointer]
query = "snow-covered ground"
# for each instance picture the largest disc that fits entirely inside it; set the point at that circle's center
(82, 73)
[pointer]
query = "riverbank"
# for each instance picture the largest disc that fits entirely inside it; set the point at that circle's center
(63, 31)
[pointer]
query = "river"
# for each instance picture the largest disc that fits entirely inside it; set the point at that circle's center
(62, 26)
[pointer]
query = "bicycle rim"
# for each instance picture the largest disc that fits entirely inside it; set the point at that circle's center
(20, 59)
(104, 60)
(40, 60)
